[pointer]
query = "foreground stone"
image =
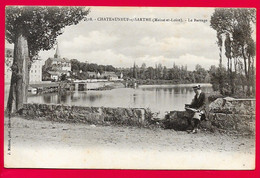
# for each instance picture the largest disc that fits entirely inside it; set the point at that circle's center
(235, 123)
(225, 114)
(90, 115)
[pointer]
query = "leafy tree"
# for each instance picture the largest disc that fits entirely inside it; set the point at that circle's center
(92, 67)
(32, 29)
(101, 69)
(165, 73)
(199, 73)
(134, 71)
(75, 65)
(110, 68)
(236, 26)
(142, 71)
(63, 77)
(150, 73)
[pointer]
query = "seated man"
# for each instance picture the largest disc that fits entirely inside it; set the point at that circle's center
(196, 110)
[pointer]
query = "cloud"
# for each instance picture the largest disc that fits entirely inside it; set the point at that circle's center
(122, 43)
(91, 41)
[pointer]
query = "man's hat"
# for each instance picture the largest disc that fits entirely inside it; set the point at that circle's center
(197, 87)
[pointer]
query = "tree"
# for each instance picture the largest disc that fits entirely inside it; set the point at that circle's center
(63, 77)
(199, 73)
(236, 25)
(101, 69)
(75, 65)
(159, 71)
(165, 73)
(110, 68)
(32, 29)
(143, 70)
(134, 71)
(150, 73)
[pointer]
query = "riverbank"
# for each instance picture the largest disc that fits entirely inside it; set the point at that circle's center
(46, 144)
(160, 82)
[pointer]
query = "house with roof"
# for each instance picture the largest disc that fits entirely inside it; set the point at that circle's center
(92, 74)
(57, 62)
(51, 75)
(35, 72)
(56, 66)
(8, 63)
(109, 75)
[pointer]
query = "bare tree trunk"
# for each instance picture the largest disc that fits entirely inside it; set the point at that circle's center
(220, 56)
(232, 78)
(247, 71)
(11, 99)
(253, 75)
(19, 80)
(228, 65)
(249, 76)
(245, 63)
(235, 75)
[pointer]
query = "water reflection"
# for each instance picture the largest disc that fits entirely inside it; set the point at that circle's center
(47, 99)
(157, 98)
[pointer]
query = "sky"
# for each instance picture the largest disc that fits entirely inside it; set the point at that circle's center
(123, 43)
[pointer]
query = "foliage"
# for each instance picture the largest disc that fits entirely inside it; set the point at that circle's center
(235, 28)
(90, 67)
(218, 78)
(31, 29)
(63, 77)
(41, 25)
(176, 74)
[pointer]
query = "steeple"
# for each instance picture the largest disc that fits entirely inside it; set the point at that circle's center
(57, 54)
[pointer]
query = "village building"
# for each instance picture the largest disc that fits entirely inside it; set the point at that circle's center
(92, 74)
(52, 75)
(35, 73)
(109, 75)
(98, 75)
(55, 67)
(8, 64)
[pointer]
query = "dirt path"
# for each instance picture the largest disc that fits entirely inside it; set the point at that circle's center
(37, 137)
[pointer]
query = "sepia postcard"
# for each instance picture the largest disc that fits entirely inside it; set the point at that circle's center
(162, 88)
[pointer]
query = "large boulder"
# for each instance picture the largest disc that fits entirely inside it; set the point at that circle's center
(176, 120)
(231, 105)
(221, 105)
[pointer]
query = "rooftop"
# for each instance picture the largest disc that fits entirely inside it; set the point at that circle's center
(60, 59)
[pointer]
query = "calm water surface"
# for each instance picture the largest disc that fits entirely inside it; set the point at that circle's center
(156, 97)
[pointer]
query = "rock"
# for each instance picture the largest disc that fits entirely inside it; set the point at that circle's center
(231, 115)
(229, 98)
(174, 121)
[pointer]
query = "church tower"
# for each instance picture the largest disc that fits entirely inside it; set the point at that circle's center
(57, 54)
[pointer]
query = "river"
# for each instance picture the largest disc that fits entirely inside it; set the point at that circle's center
(159, 98)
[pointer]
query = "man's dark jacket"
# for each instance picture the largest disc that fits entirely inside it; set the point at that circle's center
(199, 102)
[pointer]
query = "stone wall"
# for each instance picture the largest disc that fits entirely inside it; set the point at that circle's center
(90, 115)
(236, 116)
(226, 116)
